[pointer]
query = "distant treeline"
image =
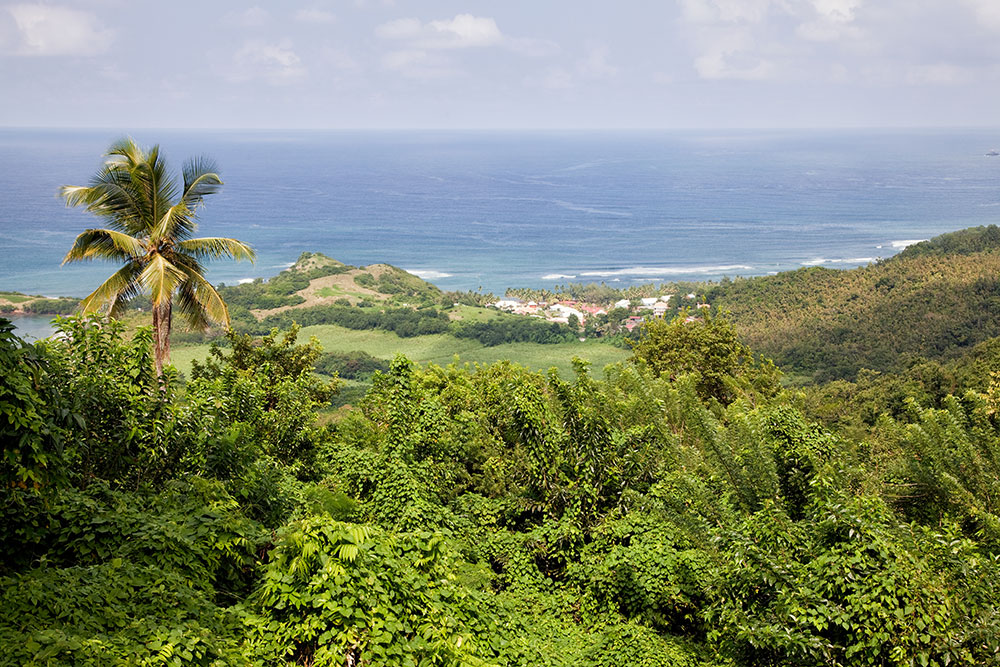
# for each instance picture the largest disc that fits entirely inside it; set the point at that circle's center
(514, 329)
(407, 322)
(404, 322)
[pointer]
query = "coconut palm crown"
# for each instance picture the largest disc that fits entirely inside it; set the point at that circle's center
(150, 221)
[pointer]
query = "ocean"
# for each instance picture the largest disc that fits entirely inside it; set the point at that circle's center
(491, 210)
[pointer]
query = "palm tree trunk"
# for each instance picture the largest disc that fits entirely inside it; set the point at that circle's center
(161, 335)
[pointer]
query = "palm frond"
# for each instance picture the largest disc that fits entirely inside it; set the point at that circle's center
(215, 247)
(104, 244)
(162, 187)
(115, 292)
(175, 223)
(161, 278)
(126, 148)
(200, 304)
(201, 178)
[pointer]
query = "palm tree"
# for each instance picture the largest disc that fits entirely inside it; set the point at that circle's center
(149, 230)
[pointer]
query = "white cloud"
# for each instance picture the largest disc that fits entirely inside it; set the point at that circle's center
(274, 63)
(837, 10)
(463, 31)
(731, 52)
(466, 30)
(51, 30)
(833, 20)
(770, 39)
(315, 16)
(423, 45)
(986, 11)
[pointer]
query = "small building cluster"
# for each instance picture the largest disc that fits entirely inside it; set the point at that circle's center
(562, 311)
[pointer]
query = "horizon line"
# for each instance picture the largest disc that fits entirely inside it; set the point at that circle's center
(791, 128)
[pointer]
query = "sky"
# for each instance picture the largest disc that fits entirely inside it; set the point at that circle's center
(517, 64)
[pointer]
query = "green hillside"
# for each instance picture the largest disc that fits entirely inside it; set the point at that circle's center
(933, 300)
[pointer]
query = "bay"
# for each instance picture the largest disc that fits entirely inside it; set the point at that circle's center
(491, 210)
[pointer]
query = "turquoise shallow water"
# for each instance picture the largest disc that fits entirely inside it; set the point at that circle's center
(493, 210)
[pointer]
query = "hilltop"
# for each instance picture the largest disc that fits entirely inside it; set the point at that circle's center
(315, 279)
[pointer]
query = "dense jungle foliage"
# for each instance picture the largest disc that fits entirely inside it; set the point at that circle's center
(678, 509)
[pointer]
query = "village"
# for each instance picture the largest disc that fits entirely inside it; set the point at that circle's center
(633, 312)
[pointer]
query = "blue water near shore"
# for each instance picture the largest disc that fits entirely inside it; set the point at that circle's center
(491, 210)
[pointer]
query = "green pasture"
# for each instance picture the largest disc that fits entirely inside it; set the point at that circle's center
(16, 297)
(439, 349)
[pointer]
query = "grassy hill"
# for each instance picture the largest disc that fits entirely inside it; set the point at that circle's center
(934, 300)
(316, 279)
(381, 310)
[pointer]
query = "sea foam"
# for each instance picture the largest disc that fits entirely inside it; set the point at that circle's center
(899, 245)
(843, 260)
(428, 274)
(668, 270)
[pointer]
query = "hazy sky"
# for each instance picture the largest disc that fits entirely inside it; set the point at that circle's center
(509, 64)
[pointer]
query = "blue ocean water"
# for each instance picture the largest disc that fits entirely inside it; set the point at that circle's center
(491, 210)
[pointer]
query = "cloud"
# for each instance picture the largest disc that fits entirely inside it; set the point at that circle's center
(423, 45)
(52, 30)
(833, 20)
(755, 40)
(462, 32)
(987, 12)
(315, 16)
(274, 63)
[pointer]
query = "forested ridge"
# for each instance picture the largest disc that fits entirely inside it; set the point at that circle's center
(681, 508)
(933, 300)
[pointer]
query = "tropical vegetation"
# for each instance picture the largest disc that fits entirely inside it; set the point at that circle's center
(679, 508)
(151, 220)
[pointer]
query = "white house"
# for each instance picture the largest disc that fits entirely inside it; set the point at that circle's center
(507, 303)
(565, 311)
